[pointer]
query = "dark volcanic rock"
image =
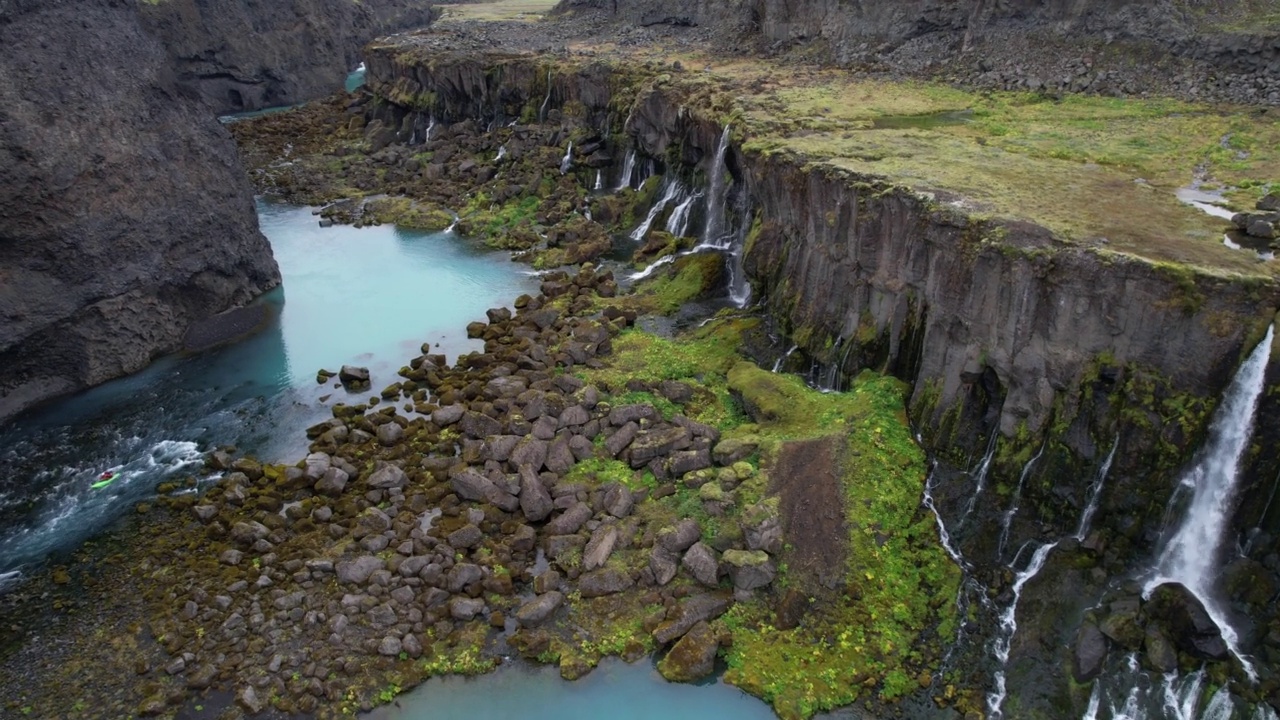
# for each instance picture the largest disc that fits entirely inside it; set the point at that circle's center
(1182, 617)
(112, 249)
(693, 657)
(1090, 653)
(244, 56)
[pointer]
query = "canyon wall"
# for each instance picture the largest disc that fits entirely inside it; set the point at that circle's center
(125, 215)
(999, 327)
(250, 54)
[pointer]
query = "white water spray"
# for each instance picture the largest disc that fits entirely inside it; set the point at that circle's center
(1009, 626)
(542, 111)
(665, 260)
(431, 125)
(714, 229)
(628, 168)
(984, 467)
(1192, 555)
(671, 190)
(599, 181)
(566, 162)
(1095, 492)
(502, 152)
(1007, 520)
(777, 365)
(678, 223)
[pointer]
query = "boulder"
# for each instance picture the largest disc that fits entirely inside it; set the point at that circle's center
(693, 657)
(620, 439)
(603, 582)
(537, 610)
(1158, 651)
(357, 571)
(749, 569)
(479, 426)
(389, 434)
(731, 450)
(388, 476)
(689, 612)
(471, 485)
(248, 699)
(664, 564)
(1090, 653)
(463, 608)
(352, 375)
(569, 521)
(535, 501)
(681, 536)
(467, 536)
(447, 415)
(701, 563)
(248, 533)
(1182, 617)
(462, 575)
(332, 483)
(650, 444)
(618, 500)
(316, 465)
(600, 547)
(529, 451)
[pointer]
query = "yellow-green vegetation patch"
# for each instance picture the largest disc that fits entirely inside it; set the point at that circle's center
(874, 633)
(690, 277)
(1091, 169)
(407, 213)
(701, 358)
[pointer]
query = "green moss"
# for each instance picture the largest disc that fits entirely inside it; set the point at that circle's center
(900, 584)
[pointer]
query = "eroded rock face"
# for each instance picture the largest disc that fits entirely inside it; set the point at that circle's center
(126, 219)
(245, 56)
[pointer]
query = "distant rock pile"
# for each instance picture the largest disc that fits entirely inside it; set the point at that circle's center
(1264, 224)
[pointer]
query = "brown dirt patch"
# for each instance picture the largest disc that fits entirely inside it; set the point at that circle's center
(806, 479)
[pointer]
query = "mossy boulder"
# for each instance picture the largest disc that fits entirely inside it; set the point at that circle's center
(693, 657)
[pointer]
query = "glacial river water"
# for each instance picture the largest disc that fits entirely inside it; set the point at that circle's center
(366, 296)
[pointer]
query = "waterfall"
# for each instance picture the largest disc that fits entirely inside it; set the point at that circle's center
(431, 125)
(1007, 521)
(566, 162)
(1192, 555)
(670, 191)
(778, 364)
(983, 468)
(1009, 625)
(739, 288)
(664, 260)
(678, 223)
(599, 181)
(943, 534)
(502, 152)
(714, 229)
(628, 168)
(1095, 492)
(542, 111)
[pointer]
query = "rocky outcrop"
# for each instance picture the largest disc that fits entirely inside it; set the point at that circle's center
(125, 216)
(244, 55)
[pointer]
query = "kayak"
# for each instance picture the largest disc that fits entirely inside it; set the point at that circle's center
(105, 481)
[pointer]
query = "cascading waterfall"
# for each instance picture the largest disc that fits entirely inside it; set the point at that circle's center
(653, 266)
(431, 125)
(542, 111)
(984, 467)
(566, 162)
(1007, 520)
(628, 169)
(678, 222)
(670, 191)
(713, 232)
(599, 181)
(502, 152)
(1095, 492)
(1009, 624)
(1192, 555)
(778, 364)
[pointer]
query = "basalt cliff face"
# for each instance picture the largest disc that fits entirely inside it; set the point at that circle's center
(247, 54)
(125, 215)
(1016, 344)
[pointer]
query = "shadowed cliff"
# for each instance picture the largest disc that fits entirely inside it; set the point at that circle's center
(125, 215)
